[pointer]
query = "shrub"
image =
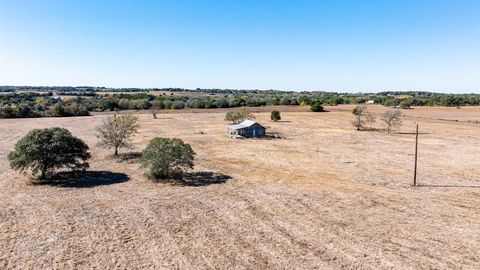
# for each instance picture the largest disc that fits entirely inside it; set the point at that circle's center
(167, 158)
(49, 149)
(316, 107)
(116, 131)
(275, 116)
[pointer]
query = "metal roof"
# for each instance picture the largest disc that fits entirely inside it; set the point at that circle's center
(243, 124)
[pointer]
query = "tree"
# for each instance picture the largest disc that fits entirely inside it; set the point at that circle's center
(178, 104)
(7, 111)
(167, 158)
(316, 107)
(405, 104)
(49, 149)
(57, 110)
(116, 131)
(275, 116)
(370, 120)
(124, 104)
(359, 111)
(391, 118)
(140, 104)
(238, 116)
(156, 107)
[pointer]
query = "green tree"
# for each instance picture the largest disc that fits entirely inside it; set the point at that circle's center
(238, 116)
(7, 111)
(275, 116)
(405, 104)
(124, 104)
(116, 131)
(178, 104)
(141, 104)
(222, 103)
(57, 110)
(316, 107)
(167, 158)
(46, 150)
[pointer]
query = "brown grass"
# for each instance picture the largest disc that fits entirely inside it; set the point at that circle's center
(324, 197)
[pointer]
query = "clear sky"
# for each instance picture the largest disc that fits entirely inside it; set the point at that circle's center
(350, 45)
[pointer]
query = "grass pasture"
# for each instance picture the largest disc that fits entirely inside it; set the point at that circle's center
(325, 196)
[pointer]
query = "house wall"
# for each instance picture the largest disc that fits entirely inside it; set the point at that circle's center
(249, 132)
(252, 132)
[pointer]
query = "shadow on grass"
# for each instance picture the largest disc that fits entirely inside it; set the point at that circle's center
(412, 133)
(450, 186)
(198, 179)
(392, 132)
(86, 179)
(372, 130)
(130, 157)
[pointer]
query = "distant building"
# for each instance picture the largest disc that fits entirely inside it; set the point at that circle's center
(247, 129)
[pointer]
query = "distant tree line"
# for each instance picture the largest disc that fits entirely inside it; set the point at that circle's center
(37, 105)
(80, 101)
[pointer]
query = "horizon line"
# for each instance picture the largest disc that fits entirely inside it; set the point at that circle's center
(250, 89)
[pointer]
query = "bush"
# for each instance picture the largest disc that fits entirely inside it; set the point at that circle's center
(316, 107)
(49, 149)
(167, 158)
(275, 116)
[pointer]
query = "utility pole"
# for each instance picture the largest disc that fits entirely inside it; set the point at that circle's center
(416, 150)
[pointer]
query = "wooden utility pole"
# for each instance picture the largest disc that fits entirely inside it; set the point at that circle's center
(415, 169)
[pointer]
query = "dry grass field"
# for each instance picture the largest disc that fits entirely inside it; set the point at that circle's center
(323, 197)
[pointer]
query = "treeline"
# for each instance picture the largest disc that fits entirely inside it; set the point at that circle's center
(45, 105)
(82, 102)
(435, 100)
(37, 105)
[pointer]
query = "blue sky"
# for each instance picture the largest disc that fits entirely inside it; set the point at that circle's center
(350, 45)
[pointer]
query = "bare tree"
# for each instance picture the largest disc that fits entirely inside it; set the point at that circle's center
(154, 112)
(359, 113)
(116, 131)
(156, 107)
(391, 118)
(370, 120)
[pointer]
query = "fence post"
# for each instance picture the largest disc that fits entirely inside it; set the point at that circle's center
(416, 150)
